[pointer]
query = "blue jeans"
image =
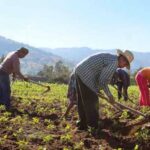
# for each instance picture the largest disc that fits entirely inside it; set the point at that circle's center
(5, 89)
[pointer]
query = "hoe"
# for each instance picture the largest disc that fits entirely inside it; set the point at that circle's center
(48, 87)
(133, 126)
(120, 106)
(123, 94)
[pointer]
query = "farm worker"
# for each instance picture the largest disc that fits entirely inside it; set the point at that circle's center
(143, 81)
(122, 79)
(93, 74)
(10, 65)
(71, 95)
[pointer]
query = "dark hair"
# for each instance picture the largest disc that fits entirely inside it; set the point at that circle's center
(24, 50)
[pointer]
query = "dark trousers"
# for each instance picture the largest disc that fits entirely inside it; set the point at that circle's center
(5, 89)
(88, 105)
(124, 88)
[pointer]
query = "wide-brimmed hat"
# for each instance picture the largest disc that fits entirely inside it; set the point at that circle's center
(128, 55)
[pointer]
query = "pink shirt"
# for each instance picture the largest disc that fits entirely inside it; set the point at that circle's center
(11, 63)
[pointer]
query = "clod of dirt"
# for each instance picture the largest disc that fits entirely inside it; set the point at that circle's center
(87, 143)
(53, 116)
(56, 123)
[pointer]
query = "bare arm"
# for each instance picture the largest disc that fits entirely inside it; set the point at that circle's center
(16, 68)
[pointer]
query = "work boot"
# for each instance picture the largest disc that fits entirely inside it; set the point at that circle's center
(81, 126)
(95, 132)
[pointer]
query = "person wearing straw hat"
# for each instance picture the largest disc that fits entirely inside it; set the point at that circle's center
(92, 75)
(10, 65)
(143, 81)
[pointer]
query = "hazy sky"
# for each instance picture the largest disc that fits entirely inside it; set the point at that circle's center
(98, 24)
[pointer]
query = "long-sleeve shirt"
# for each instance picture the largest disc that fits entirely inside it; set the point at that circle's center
(11, 63)
(146, 73)
(97, 71)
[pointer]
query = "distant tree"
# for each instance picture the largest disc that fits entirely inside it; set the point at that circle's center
(58, 73)
(47, 72)
(62, 72)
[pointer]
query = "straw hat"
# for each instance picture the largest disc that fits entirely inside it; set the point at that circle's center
(127, 54)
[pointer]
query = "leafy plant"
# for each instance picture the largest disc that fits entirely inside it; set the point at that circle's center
(23, 145)
(66, 137)
(124, 115)
(48, 138)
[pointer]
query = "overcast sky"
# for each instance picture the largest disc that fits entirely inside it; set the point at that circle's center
(98, 24)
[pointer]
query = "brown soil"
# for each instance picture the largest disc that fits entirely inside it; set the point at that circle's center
(115, 132)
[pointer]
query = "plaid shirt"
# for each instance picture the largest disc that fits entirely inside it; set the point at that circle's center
(97, 71)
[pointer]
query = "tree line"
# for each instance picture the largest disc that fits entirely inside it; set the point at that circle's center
(58, 73)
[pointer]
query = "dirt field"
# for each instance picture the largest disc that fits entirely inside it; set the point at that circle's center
(36, 124)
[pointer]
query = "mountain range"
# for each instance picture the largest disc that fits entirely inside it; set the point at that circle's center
(70, 56)
(34, 61)
(141, 59)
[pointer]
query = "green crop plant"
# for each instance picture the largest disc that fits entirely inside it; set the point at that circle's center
(68, 127)
(66, 137)
(3, 119)
(50, 127)
(107, 112)
(79, 145)
(143, 134)
(17, 120)
(136, 147)
(66, 148)
(19, 134)
(9, 128)
(2, 141)
(124, 115)
(35, 120)
(2, 108)
(47, 138)
(42, 148)
(7, 114)
(23, 145)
